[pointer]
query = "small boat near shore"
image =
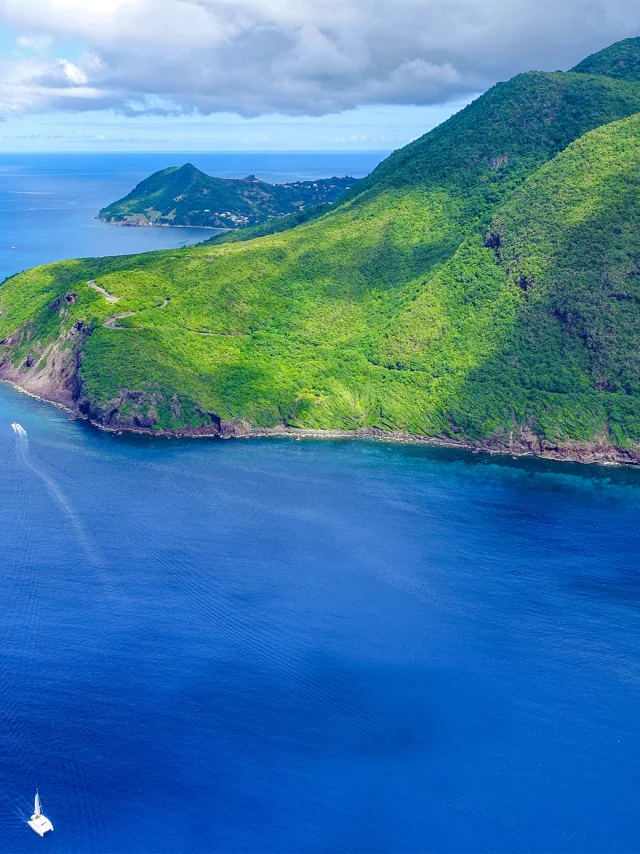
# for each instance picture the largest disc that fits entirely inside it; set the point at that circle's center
(38, 821)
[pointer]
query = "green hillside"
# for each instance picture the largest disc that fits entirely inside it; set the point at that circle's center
(183, 195)
(621, 60)
(482, 285)
(569, 241)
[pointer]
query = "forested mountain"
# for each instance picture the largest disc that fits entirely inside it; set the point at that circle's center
(183, 195)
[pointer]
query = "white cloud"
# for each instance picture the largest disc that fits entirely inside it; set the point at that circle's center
(293, 56)
(29, 85)
(39, 43)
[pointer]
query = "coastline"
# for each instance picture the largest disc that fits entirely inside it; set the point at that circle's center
(524, 446)
(162, 225)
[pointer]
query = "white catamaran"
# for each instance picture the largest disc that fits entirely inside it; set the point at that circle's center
(39, 822)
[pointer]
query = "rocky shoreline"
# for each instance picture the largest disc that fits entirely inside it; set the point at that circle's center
(51, 374)
(524, 444)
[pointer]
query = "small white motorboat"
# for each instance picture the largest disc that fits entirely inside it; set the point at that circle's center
(39, 822)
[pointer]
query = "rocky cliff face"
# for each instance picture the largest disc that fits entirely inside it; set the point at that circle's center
(46, 370)
(51, 372)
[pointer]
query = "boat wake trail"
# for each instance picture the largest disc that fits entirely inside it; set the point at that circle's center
(22, 445)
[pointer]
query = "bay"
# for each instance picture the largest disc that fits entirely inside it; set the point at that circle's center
(307, 646)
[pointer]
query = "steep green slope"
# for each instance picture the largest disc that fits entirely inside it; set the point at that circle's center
(621, 60)
(465, 167)
(186, 196)
(449, 295)
(568, 367)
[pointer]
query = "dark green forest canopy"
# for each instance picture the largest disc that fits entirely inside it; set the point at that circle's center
(483, 282)
(621, 60)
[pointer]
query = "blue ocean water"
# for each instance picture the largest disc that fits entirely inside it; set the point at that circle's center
(48, 203)
(308, 646)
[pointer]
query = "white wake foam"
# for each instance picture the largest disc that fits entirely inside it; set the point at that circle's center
(22, 444)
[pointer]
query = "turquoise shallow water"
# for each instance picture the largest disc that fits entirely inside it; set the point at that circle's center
(305, 646)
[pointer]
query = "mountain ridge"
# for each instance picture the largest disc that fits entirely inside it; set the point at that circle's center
(620, 61)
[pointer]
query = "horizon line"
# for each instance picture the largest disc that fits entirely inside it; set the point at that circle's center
(213, 151)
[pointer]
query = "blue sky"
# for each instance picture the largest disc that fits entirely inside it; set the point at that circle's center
(207, 75)
(366, 128)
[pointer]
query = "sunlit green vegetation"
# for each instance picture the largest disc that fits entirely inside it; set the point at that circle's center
(477, 283)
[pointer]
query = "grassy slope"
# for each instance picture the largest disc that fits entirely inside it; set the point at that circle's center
(388, 311)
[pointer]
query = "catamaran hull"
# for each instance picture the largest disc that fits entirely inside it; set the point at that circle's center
(40, 824)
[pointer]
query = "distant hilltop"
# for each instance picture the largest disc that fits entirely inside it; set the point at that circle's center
(186, 196)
